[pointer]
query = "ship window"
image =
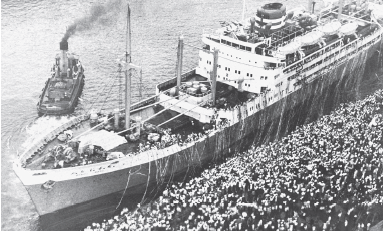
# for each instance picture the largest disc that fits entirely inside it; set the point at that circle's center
(235, 81)
(226, 68)
(218, 41)
(235, 71)
(249, 49)
(249, 85)
(235, 45)
(266, 77)
(239, 71)
(242, 47)
(261, 77)
(251, 75)
(229, 43)
(247, 74)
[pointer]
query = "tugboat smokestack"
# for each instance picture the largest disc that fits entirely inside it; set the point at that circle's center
(63, 45)
(63, 58)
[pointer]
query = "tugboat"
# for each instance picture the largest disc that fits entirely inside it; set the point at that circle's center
(61, 92)
(251, 81)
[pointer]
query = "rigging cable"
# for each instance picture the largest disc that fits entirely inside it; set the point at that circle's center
(99, 94)
(108, 95)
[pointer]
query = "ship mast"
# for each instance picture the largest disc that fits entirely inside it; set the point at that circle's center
(128, 76)
(242, 16)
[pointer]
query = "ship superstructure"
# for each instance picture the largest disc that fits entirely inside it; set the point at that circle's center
(275, 60)
(248, 76)
(277, 52)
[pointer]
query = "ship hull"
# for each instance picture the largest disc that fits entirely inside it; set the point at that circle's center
(312, 100)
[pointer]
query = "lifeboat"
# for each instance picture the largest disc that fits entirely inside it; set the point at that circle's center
(311, 38)
(348, 29)
(377, 10)
(330, 28)
(289, 48)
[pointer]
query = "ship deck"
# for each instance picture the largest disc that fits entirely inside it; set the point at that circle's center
(181, 125)
(59, 94)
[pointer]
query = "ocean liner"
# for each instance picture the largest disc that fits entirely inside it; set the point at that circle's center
(250, 80)
(62, 90)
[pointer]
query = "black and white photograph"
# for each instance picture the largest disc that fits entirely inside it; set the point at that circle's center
(192, 115)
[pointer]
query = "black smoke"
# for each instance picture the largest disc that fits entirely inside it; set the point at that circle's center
(96, 12)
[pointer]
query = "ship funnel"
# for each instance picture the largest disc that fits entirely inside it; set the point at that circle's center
(63, 58)
(63, 45)
(253, 21)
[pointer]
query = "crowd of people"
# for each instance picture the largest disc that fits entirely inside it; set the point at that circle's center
(326, 175)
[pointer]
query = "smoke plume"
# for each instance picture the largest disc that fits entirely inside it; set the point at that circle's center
(96, 12)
